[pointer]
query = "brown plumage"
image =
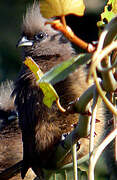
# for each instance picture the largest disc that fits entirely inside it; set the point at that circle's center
(10, 137)
(7, 108)
(9, 130)
(42, 128)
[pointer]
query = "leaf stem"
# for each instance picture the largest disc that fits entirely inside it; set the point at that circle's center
(92, 133)
(115, 126)
(74, 157)
(63, 21)
(67, 31)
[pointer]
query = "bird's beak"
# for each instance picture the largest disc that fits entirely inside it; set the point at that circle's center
(24, 42)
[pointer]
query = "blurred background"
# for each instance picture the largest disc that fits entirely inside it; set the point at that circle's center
(11, 13)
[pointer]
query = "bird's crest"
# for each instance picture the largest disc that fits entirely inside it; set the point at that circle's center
(33, 20)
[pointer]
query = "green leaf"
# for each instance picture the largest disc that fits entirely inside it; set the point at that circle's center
(110, 11)
(61, 71)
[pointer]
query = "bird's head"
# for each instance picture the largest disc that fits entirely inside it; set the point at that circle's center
(40, 41)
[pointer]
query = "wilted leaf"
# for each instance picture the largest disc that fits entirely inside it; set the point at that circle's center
(110, 11)
(51, 8)
(49, 92)
(33, 67)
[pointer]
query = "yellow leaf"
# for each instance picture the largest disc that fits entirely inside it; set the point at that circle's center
(51, 8)
(49, 92)
(33, 67)
(110, 11)
(50, 95)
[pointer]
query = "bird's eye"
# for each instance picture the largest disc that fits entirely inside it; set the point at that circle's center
(40, 36)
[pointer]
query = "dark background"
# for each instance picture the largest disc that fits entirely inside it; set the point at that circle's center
(11, 12)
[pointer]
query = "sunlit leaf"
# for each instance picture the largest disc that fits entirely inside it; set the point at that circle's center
(51, 8)
(49, 92)
(33, 67)
(110, 11)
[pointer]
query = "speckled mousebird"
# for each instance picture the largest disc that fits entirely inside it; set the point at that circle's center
(42, 128)
(11, 151)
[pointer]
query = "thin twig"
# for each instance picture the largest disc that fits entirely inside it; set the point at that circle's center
(102, 94)
(102, 69)
(115, 126)
(92, 134)
(93, 119)
(63, 21)
(67, 31)
(99, 55)
(74, 157)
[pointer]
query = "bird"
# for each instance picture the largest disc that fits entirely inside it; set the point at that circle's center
(10, 136)
(42, 127)
(10, 133)
(7, 109)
